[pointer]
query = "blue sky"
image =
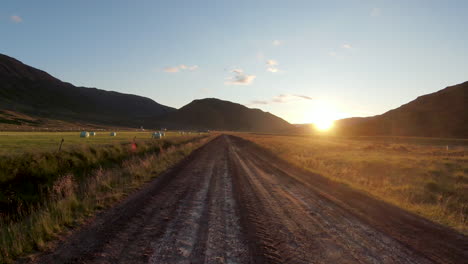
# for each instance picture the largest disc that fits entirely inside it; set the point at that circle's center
(297, 59)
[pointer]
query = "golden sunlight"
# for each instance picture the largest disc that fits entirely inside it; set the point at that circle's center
(323, 124)
(322, 115)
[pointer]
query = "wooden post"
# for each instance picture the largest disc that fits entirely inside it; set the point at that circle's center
(60, 147)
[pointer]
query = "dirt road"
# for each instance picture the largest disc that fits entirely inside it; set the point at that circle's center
(232, 202)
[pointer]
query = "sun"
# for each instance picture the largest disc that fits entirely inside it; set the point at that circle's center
(323, 125)
(323, 115)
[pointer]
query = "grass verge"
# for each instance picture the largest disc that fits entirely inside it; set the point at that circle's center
(26, 179)
(73, 199)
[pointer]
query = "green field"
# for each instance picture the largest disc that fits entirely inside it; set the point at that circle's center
(30, 162)
(20, 142)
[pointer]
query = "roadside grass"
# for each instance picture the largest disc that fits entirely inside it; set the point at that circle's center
(426, 179)
(17, 143)
(26, 178)
(73, 197)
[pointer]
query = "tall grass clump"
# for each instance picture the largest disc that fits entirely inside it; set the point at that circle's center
(424, 178)
(73, 196)
(25, 179)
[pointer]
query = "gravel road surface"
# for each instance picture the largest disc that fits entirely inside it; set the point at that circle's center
(233, 202)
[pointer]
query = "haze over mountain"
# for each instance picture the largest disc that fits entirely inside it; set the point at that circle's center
(216, 114)
(34, 92)
(440, 114)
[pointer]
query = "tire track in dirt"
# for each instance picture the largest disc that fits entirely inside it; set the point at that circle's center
(418, 238)
(231, 202)
(205, 229)
(314, 232)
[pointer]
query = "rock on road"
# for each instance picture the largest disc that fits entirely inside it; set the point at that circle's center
(232, 202)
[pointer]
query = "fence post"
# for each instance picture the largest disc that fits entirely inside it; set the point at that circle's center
(60, 147)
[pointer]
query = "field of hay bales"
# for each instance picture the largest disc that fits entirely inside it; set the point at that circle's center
(21, 142)
(422, 175)
(30, 163)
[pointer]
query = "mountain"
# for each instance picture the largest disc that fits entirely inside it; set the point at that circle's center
(31, 97)
(26, 90)
(440, 114)
(215, 114)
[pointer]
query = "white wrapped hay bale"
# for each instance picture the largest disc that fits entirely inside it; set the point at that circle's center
(113, 134)
(84, 134)
(156, 135)
(92, 134)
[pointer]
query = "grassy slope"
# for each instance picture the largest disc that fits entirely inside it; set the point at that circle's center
(72, 198)
(422, 178)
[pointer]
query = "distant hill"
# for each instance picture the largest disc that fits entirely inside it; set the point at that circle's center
(24, 89)
(30, 97)
(440, 114)
(215, 114)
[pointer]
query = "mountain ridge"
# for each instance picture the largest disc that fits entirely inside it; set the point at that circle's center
(443, 113)
(31, 91)
(27, 93)
(223, 115)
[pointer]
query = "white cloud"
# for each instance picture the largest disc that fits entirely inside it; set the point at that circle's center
(240, 78)
(238, 71)
(347, 46)
(171, 69)
(272, 65)
(272, 62)
(257, 102)
(277, 42)
(304, 96)
(375, 12)
(282, 98)
(181, 67)
(16, 19)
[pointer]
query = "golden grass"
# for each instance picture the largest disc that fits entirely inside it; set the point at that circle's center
(426, 179)
(71, 202)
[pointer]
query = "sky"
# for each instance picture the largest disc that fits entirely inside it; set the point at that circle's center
(300, 60)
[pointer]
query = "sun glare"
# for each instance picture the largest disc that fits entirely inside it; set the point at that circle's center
(323, 125)
(322, 115)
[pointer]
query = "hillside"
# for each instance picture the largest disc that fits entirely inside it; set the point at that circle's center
(33, 98)
(215, 114)
(440, 114)
(24, 89)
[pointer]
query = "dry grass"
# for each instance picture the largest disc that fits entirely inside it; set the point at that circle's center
(413, 174)
(71, 201)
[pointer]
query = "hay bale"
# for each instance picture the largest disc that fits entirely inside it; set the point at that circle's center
(156, 135)
(84, 134)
